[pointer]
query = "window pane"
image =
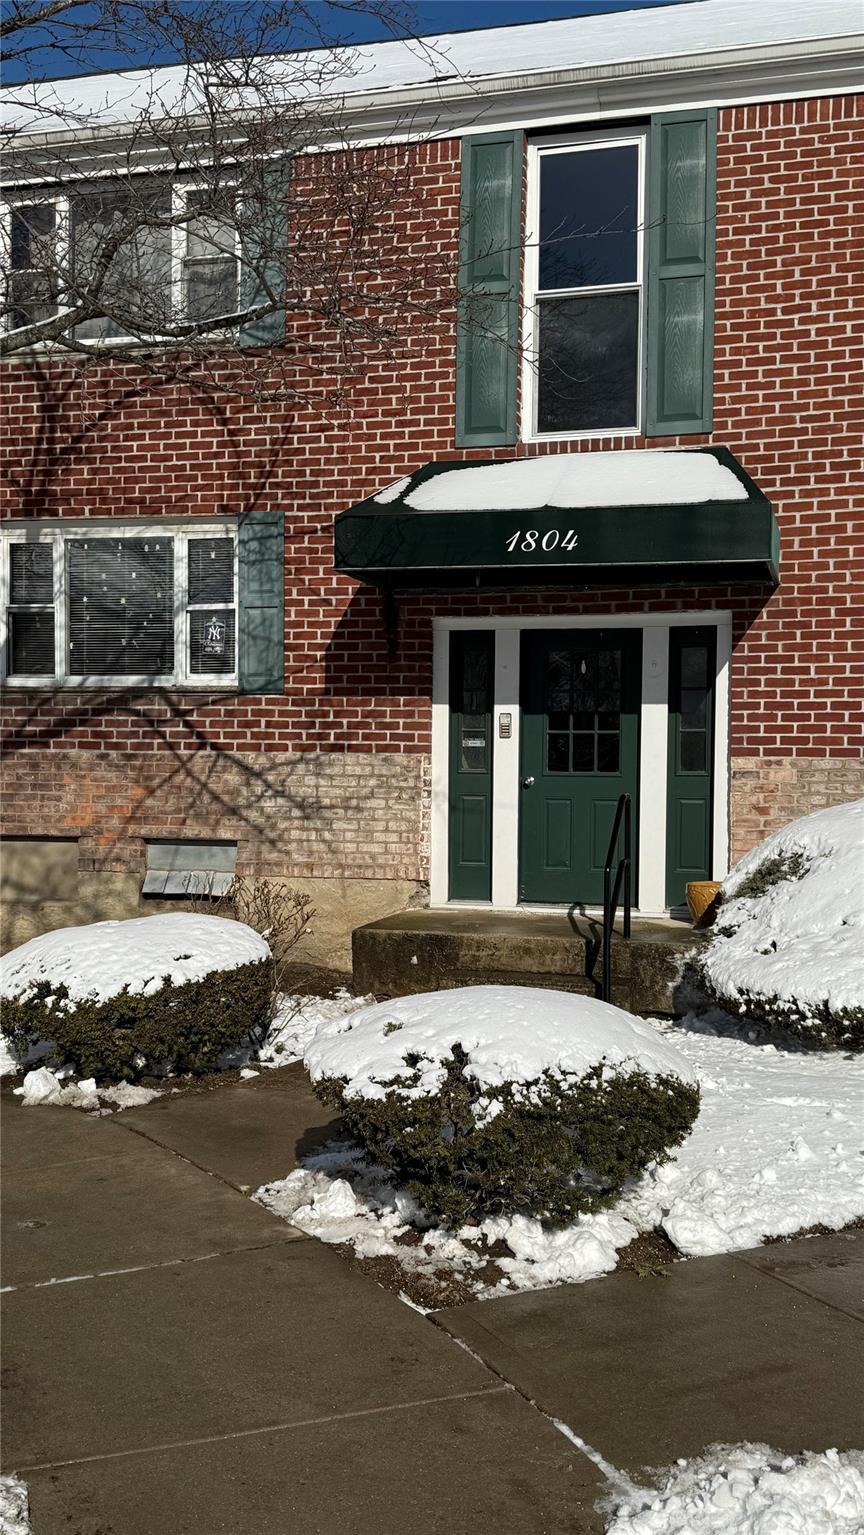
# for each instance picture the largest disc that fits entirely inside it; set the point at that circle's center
(473, 743)
(608, 753)
(694, 751)
(211, 288)
(31, 573)
(31, 232)
(31, 644)
(136, 291)
(588, 360)
(211, 570)
(589, 214)
(121, 607)
(558, 752)
(583, 753)
(212, 642)
(694, 666)
(693, 708)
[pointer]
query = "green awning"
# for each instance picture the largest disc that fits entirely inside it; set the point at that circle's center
(636, 517)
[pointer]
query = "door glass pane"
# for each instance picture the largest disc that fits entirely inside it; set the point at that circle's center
(558, 752)
(589, 217)
(583, 752)
(694, 666)
(608, 753)
(473, 704)
(558, 682)
(693, 708)
(694, 753)
(588, 362)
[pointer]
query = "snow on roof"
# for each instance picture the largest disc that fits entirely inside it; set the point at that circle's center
(100, 959)
(510, 1034)
(653, 477)
(580, 42)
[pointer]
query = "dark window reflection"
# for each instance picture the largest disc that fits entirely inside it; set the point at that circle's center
(588, 361)
(589, 218)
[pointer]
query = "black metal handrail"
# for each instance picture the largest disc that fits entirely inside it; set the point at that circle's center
(612, 889)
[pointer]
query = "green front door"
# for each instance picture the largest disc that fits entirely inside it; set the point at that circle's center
(581, 694)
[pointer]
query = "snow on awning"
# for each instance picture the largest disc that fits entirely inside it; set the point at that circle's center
(636, 516)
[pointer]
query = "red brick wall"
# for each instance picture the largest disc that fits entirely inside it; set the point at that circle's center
(788, 403)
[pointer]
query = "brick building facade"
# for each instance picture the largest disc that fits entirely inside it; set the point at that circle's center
(336, 782)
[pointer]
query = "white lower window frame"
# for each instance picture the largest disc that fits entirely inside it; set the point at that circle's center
(111, 528)
(653, 749)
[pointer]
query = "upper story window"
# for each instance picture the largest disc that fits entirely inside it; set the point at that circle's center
(584, 288)
(86, 607)
(146, 253)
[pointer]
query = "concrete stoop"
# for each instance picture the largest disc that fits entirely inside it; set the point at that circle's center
(435, 950)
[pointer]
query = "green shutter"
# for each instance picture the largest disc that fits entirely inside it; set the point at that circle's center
(681, 222)
(264, 227)
(261, 563)
(490, 262)
(690, 767)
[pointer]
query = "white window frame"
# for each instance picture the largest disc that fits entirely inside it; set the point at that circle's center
(613, 138)
(111, 528)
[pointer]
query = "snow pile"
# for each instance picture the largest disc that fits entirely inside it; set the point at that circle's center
(296, 1021)
(509, 1034)
(43, 1086)
(798, 948)
(748, 1489)
(99, 961)
(651, 477)
(14, 1507)
(778, 1147)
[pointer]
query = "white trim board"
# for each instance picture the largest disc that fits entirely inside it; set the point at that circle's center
(506, 752)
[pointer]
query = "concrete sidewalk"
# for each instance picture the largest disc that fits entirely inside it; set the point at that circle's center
(179, 1360)
(205, 1367)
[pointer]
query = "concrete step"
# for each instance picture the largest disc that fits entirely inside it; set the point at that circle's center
(435, 950)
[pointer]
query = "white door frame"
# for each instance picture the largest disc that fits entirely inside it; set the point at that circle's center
(654, 733)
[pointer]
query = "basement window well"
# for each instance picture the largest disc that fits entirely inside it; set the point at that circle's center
(189, 868)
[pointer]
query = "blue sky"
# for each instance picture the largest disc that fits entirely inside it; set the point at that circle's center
(430, 16)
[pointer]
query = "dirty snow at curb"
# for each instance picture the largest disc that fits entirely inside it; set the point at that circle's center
(509, 1033)
(748, 1489)
(44, 1086)
(14, 1507)
(803, 941)
(101, 960)
(778, 1146)
(297, 1019)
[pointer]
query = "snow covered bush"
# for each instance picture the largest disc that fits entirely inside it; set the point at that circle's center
(788, 946)
(117, 999)
(505, 1099)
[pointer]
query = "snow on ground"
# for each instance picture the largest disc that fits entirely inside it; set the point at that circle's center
(14, 1507)
(297, 1019)
(802, 941)
(104, 958)
(44, 1086)
(778, 1147)
(509, 1034)
(748, 1489)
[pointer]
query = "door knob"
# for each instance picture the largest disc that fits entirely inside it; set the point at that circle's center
(527, 782)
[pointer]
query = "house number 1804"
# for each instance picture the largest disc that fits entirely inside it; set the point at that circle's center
(531, 539)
